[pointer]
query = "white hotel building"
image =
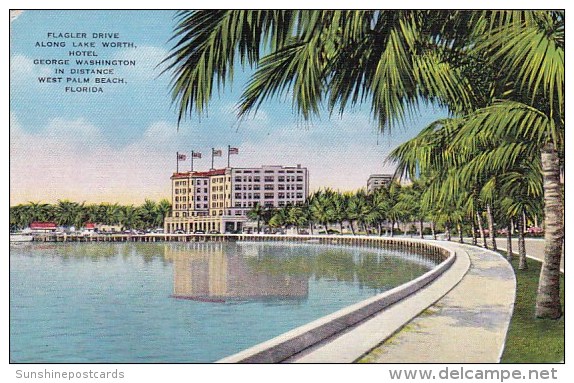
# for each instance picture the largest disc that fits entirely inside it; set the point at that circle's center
(218, 200)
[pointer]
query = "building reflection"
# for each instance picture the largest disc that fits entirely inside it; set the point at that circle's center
(210, 272)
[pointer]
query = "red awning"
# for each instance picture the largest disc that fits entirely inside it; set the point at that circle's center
(43, 225)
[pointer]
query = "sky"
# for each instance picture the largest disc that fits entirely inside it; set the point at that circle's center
(120, 145)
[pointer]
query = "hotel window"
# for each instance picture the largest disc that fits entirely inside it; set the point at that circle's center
(256, 179)
(281, 187)
(198, 190)
(237, 187)
(268, 195)
(269, 171)
(237, 179)
(256, 195)
(299, 195)
(281, 179)
(198, 206)
(268, 179)
(299, 187)
(256, 187)
(237, 195)
(281, 195)
(205, 206)
(205, 198)
(268, 187)
(299, 178)
(205, 182)
(205, 190)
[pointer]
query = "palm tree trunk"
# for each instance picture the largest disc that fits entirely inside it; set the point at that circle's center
(448, 237)
(459, 228)
(548, 299)
(380, 226)
(258, 225)
(522, 264)
(421, 229)
(352, 227)
(491, 231)
(393, 228)
(433, 229)
(481, 230)
(473, 228)
(509, 242)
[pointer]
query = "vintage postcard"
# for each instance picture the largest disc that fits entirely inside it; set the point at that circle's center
(287, 186)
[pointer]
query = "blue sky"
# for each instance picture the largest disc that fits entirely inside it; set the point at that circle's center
(120, 145)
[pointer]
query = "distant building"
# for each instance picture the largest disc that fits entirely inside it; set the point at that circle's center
(376, 181)
(218, 200)
(43, 227)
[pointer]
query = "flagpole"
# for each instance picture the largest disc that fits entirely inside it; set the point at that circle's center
(177, 162)
(228, 150)
(192, 160)
(212, 159)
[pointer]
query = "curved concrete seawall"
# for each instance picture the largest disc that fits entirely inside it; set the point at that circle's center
(291, 345)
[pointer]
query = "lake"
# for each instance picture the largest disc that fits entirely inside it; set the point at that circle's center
(182, 302)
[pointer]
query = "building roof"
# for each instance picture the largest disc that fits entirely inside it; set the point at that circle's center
(215, 172)
(90, 225)
(43, 225)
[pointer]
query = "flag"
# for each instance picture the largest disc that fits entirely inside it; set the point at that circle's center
(181, 157)
(196, 155)
(216, 153)
(233, 150)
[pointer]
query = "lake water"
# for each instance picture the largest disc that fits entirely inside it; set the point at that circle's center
(182, 302)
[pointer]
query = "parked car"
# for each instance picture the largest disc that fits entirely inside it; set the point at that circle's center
(214, 232)
(179, 232)
(199, 232)
(535, 230)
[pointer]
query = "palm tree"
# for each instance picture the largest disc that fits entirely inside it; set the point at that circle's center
(68, 213)
(39, 211)
(256, 213)
(147, 212)
(296, 217)
(321, 208)
(130, 217)
(395, 60)
(162, 211)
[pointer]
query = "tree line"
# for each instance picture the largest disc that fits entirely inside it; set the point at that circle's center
(67, 213)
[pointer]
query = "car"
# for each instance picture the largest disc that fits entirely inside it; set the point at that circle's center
(214, 232)
(535, 230)
(179, 232)
(199, 232)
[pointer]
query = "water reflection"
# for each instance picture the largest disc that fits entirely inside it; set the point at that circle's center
(211, 272)
(218, 272)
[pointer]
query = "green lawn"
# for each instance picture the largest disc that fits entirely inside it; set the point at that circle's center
(532, 340)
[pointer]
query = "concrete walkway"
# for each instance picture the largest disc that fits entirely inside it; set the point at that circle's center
(467, 323)
(534, 248)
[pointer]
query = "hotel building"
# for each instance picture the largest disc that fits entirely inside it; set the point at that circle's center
(377, 181)
(218, 200)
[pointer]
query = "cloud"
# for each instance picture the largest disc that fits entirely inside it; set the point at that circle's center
(71, 159)
(22, 69)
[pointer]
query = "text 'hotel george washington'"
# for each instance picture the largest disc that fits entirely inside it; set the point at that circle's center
(218, 200)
